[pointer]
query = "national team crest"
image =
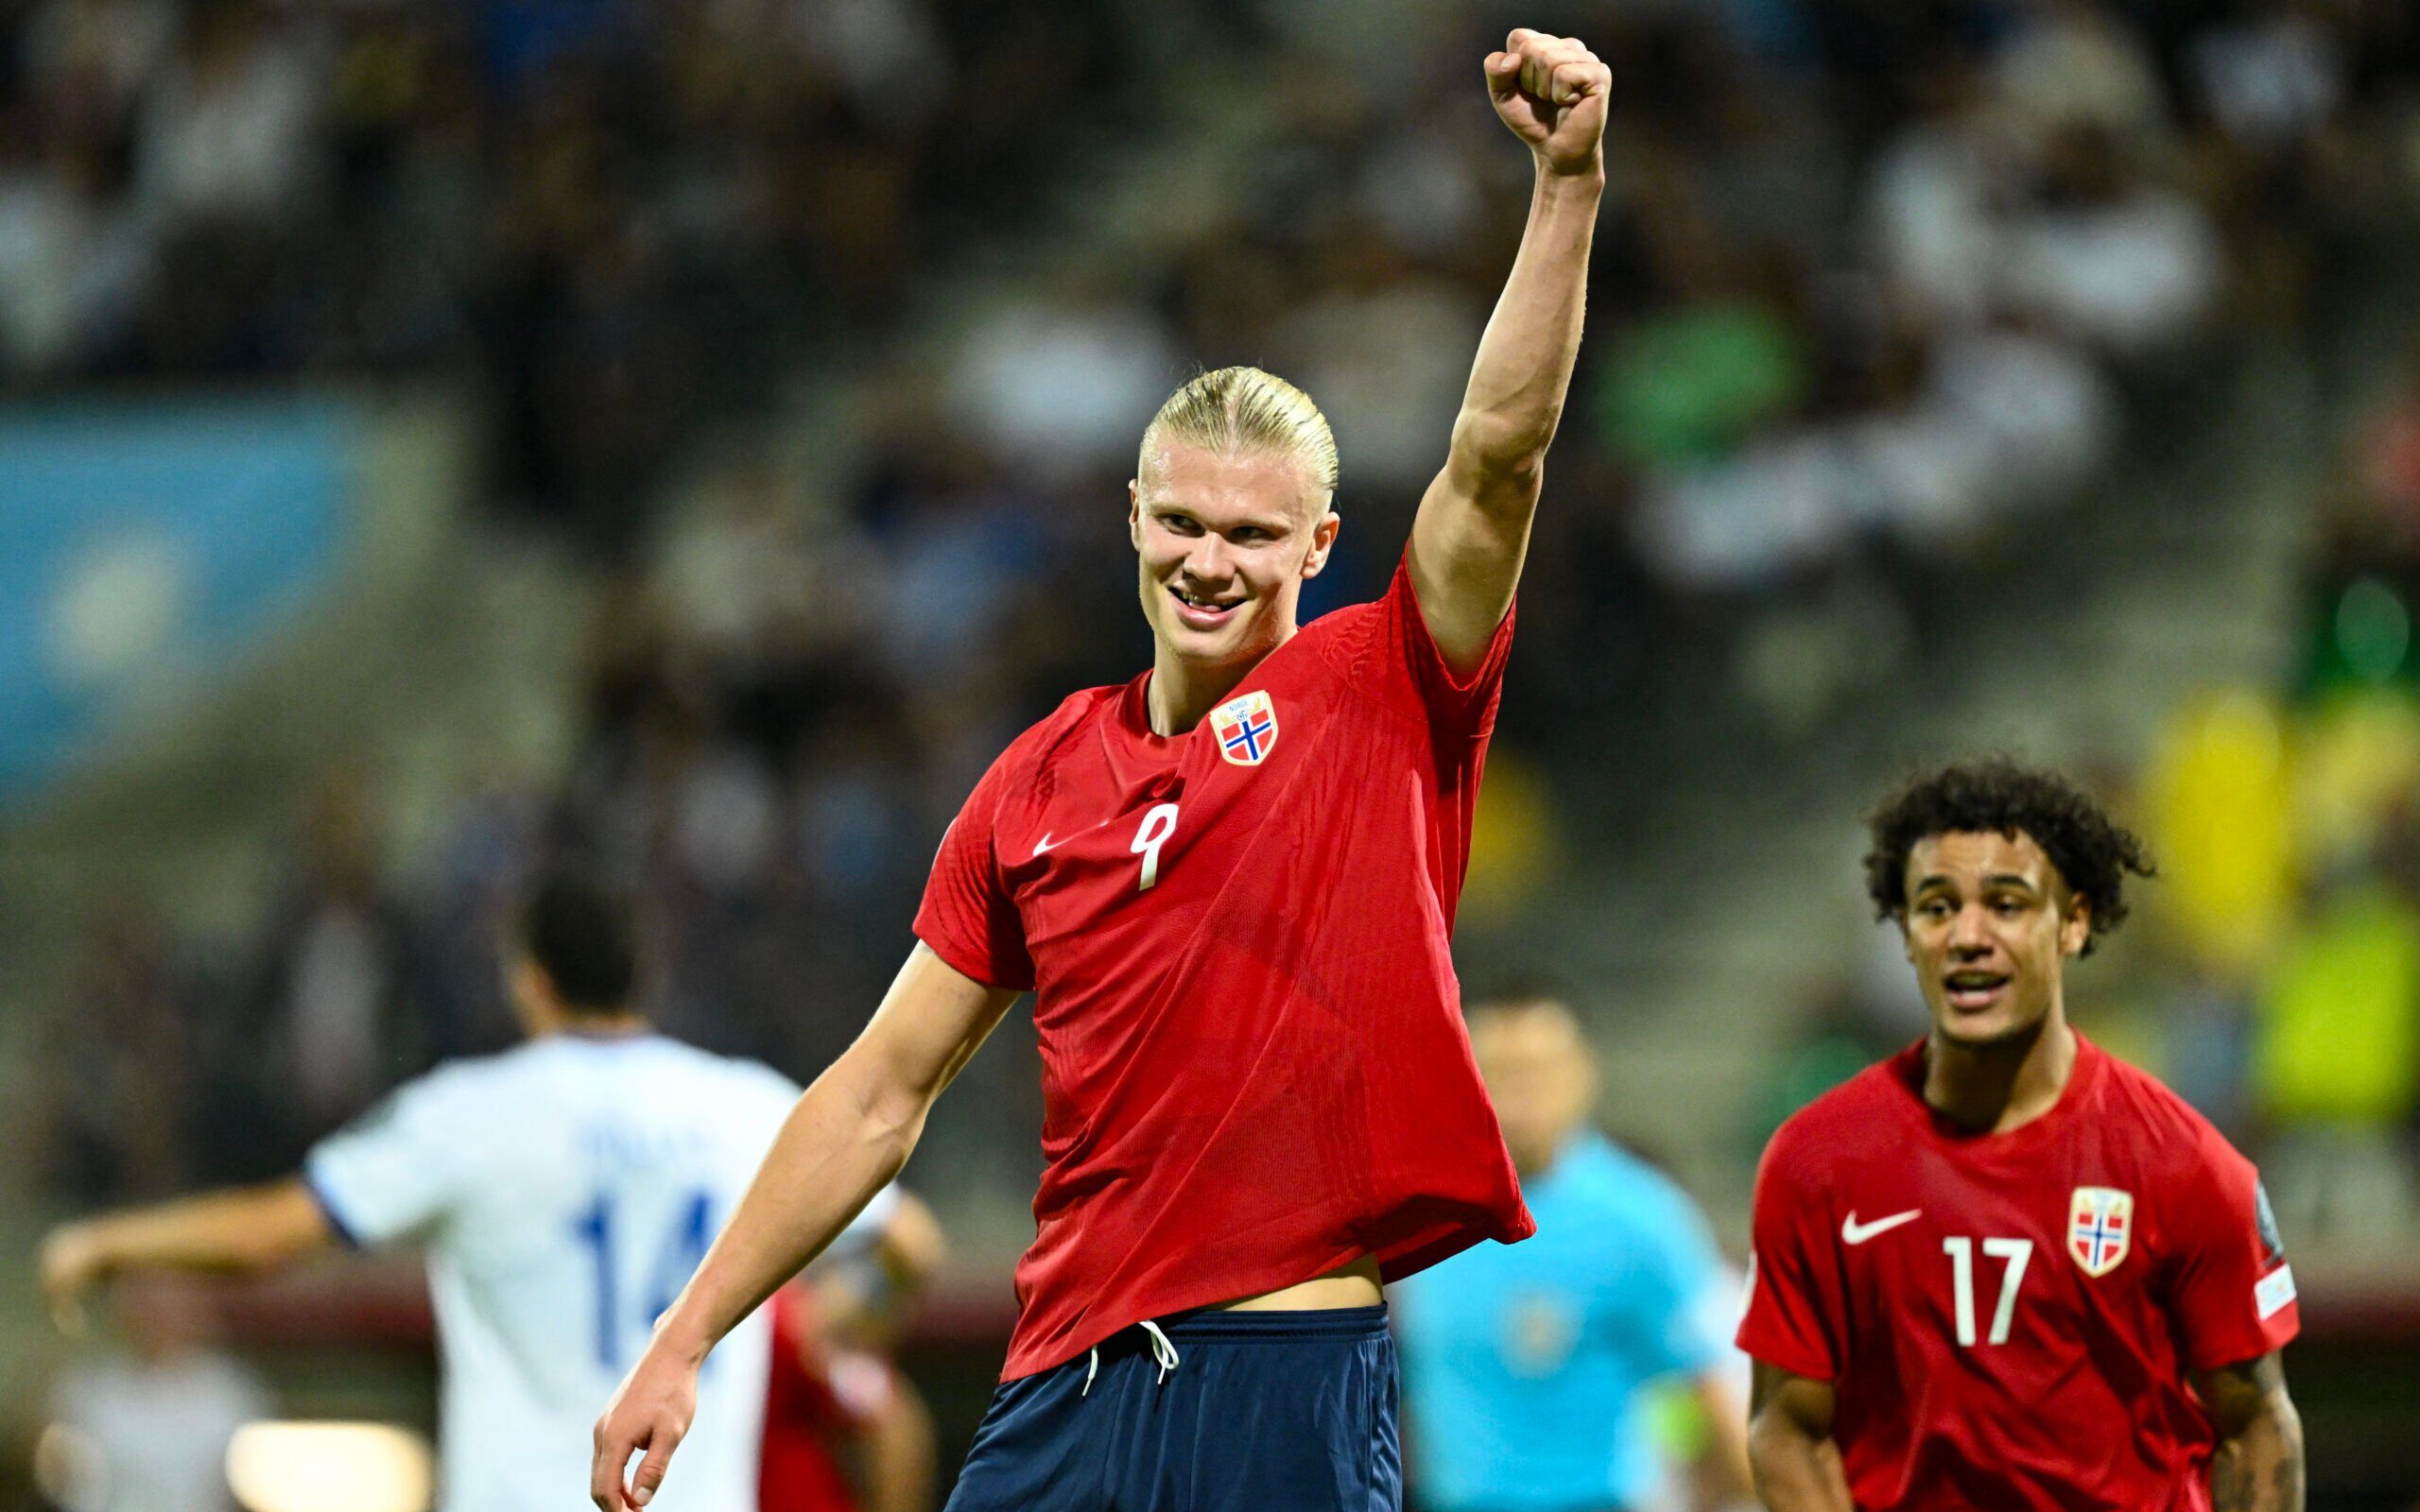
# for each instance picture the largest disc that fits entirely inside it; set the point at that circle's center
(2100, 1224)
(1246, 728)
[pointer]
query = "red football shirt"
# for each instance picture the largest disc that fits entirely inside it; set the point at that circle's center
(807, 1413)
(2008, 1319)
(1254, 1065)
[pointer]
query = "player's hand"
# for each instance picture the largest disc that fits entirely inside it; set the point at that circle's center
(651, 1412)
(72, 1264)
(1551, 92)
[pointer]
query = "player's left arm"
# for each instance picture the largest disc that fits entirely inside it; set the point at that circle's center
(251, 1228)
(900, 1449)
(2259, 1467)
(1472, 528)
(1721, 1472)
(865, 1305)
(911, 1247)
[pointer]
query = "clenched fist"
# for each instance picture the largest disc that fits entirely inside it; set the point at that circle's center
(1551, 92)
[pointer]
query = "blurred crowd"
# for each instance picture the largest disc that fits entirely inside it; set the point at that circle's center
(1878, 285)
(617, 218)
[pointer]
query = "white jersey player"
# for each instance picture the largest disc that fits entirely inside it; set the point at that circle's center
(563, 1189)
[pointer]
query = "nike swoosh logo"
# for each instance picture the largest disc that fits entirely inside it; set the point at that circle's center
(1042, 845)
(1853, 1233)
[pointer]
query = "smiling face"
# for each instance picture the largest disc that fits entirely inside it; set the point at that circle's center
(1989, 925)
(1225, 541)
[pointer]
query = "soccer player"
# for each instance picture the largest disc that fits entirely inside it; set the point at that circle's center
(1229, 884)
(1526, 1366)
(564, 1189)
(2002, 1269)
(845, 1430)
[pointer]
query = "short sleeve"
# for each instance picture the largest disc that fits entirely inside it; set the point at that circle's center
(395, 1170)
(1793, 1321)
(1411, 671)
(2231, 1296)
(968, 918)
(1694, 1308)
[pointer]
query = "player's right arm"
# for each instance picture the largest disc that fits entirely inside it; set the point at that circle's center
(1793, 1327)
(1790, 1443)
(253, 1229)
(848, 1137)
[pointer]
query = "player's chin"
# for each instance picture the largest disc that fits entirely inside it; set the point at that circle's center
(1982, 1029)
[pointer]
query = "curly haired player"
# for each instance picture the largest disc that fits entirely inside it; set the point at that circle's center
(2002, 1269)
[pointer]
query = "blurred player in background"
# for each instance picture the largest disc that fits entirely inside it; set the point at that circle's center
(148, 1430)
(845, 1430)
(564, 1189)
(1525, 1367)
(1230, 885)
(2001, 1268)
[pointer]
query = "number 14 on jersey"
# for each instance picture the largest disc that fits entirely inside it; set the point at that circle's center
(681, 1244)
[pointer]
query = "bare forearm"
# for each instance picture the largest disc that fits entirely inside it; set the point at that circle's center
(844, 1141)
(1723, 1474)
(1795, 1473)
(899, 1455)
(2260, 1467)
(1523, 370)
(248, 1229)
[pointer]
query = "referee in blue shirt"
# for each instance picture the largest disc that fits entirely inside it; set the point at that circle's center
(1525, 1365)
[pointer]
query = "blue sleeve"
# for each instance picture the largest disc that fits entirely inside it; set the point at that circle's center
(1690, 1306)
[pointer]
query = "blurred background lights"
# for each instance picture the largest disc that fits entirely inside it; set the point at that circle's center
(115, 612)
(68, 1471)
(322, 1467)
(2372, 630)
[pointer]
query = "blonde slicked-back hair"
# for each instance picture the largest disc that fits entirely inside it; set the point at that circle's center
(1244, 409)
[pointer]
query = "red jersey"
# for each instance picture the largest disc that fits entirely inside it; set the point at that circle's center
(2008, 1319)
(1254, 1065)
(810, 1411)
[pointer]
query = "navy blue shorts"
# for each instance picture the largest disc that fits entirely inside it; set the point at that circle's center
(1262, 1411)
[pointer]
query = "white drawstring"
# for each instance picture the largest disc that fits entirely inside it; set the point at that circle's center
(1163, 1350)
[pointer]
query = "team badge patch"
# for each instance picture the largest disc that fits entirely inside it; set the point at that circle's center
(1246, 728)
(2101, 1228)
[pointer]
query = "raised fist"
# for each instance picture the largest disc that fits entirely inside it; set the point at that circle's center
(1551, 92)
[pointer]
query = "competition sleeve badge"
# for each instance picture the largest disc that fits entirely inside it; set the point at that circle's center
(2101, 1228)
(1246, 728)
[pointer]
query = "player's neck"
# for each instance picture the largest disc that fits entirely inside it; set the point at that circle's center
(2003, 1086)
(1182, 694)
(594, 1026)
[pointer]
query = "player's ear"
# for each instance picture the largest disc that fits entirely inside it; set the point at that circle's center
(1324, 532)
(1135, 511)
(2075, 926)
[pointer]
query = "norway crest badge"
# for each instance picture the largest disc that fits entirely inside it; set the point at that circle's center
(1246, 728)
(2101, 1228)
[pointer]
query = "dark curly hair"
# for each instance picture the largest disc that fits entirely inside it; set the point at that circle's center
(2092, 852)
